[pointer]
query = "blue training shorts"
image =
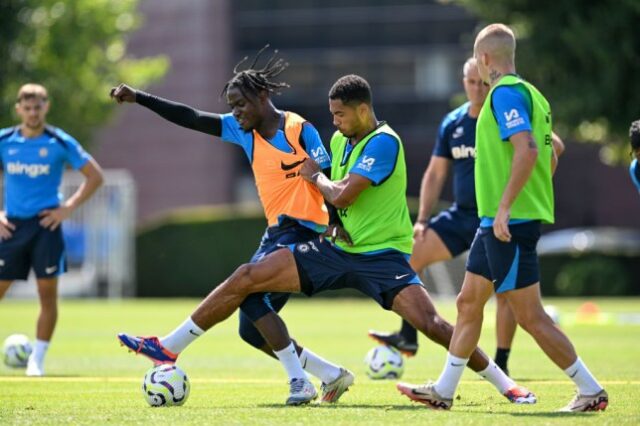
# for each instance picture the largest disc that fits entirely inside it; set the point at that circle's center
(32, 246)
(323, 266)
(511, 265)
(257, 305)
(456, 227)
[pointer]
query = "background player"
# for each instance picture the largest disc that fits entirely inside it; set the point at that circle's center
(369, 189)
(450, 233)
(514, 192)
(34, 156)
(276, 144)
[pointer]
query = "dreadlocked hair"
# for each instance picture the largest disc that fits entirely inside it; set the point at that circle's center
(256, 80)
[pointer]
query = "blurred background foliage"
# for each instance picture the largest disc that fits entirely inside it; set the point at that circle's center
(77, 49)
(584, 56)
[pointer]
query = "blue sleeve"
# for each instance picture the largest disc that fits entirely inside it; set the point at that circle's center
(512, 111)
(634, 170)
(233, 133)
(313, 146)
(77, 157)
(442, 148)
(378, 159)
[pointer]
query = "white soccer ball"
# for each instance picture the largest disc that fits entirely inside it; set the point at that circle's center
(165, 386)
(553, 312)
(16, 351)
(384, 362)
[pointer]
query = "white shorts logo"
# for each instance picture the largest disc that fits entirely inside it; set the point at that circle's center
(50, 269)
(303, 248)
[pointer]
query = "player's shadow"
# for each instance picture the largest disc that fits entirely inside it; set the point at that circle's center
(387, 407)
(343, 406)
(549, 414)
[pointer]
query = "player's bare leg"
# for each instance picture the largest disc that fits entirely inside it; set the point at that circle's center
(4, 286)
(426, 251)
(506, 325)
(475, 292)
(463, 351)
(414, 305)
(274, 331)
(526, 304)
(48, 294)
(276, 273)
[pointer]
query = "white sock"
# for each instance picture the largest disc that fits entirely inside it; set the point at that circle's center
(496, 377)
(582, 377)
(182, 336)
(40, 350)
(289, 359)
(318, 366)
(450, 376)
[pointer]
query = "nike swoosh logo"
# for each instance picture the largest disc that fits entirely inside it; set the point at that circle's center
(292, 165)
(574, 373)
(457, 365)
(51, 269)
(398, 277)
(192, 332)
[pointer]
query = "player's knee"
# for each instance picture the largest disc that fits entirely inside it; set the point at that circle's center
(467, 308)
(501, 300)
(531, 320)
(244, 278)
(432, 325)
(250, 335)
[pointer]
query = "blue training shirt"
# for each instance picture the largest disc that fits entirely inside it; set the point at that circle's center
(233, 133)
(512, 109)
(378, 158)
(456, 141)
(634, 171)
(33, 169)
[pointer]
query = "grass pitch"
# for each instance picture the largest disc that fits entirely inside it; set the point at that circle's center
(93, 381)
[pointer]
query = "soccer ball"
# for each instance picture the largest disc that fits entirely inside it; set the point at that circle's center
(553, 312)
(384, 362)
(165, 386)
(16, 351)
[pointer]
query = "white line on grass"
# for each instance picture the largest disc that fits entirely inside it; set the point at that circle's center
(266, 381)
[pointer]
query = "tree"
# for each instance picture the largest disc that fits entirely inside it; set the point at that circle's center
(77, 49)
(584, 56)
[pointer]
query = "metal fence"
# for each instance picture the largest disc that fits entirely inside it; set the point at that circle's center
(99, 239)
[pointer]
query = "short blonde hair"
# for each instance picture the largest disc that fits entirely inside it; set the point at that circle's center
(32, 90)
(470, 62)
(498, 41)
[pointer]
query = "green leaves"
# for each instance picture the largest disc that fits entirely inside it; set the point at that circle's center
(77, 49)
(584, 56)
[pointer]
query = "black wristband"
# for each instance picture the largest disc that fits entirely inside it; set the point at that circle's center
(142, 98)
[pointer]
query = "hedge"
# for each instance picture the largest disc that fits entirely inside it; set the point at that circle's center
(188, 252)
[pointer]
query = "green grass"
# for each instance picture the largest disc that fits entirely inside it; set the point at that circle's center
(91, 380)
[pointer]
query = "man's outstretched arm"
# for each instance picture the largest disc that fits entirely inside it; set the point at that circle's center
(180, 114)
